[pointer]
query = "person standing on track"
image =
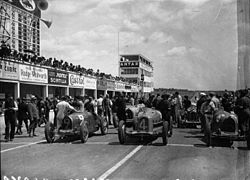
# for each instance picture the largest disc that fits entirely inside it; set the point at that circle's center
(33, 116)
(23, 113)
(9, 107)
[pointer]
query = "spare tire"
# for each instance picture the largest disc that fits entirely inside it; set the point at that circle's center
(49, 132)
(84, 132)
(122, 132)
(104, 125)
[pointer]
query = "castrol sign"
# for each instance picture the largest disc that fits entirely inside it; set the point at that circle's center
(76, 80)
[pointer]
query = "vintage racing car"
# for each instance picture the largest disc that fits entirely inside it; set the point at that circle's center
(77, 124)
(142, 121)
(190, 117)
(224, 125)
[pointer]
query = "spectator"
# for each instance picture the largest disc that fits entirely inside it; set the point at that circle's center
(23, 113)
(33, 116)
(9, 107)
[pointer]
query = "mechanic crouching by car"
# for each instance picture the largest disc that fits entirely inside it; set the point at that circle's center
(63, 109)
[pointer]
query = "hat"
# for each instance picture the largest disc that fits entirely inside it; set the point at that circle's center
(33, 97)
(203, 94)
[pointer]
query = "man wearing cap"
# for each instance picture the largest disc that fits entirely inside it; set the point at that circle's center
(33, 115)
(63, 108)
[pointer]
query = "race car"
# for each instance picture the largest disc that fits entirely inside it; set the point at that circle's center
(77, 124)
(142, 121)
(190, 117)
(224, 125)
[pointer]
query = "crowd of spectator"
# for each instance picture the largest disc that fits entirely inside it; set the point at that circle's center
(32, 58)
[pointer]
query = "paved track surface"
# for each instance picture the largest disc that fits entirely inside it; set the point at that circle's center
(185, 158)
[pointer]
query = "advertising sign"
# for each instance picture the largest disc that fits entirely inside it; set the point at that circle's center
(101, 84)
(110, 85)
(76, 80)
(33, 74)
(58, 77)
(89, 83)
(8, 70)
(119, 86)
(129, 64)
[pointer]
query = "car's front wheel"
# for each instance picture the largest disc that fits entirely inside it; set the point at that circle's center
(104, 126)
(84, 133)
(49, 132)
(165, 133)
(122, 132)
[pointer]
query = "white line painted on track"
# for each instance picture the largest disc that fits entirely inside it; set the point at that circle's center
(97, 143)
(181, 145)
(25, 145)
(119, 164)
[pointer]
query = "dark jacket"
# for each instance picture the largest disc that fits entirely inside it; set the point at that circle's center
(23, 111)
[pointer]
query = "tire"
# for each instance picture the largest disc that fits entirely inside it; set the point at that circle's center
(84, 133)
(207, 133)
(165, 133)
(49, 132)
(122, 132)
(104, 126)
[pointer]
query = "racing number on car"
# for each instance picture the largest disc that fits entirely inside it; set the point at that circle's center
(81, 117)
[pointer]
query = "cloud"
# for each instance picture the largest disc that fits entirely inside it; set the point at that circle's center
(131, 25)
(193, 3)
(161, 37)
(177, 51)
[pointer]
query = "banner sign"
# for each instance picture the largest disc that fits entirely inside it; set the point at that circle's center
(119, 86)
(33, 74)
(76, 80)
(89, 83)
(127, 87)
(8, 70)
(110, 85)
(58, 77)
(129, 64)
(101, 84)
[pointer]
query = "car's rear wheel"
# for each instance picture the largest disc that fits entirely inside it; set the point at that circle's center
(165, 133)
(49, 132)
(122, 132)
(208, 133)
(84, 133)
(104, 125)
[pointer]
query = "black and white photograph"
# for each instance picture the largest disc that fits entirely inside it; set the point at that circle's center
(125, 89)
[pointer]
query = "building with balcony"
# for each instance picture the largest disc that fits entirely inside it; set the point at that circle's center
(137, 69)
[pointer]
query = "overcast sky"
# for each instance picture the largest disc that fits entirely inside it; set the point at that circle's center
(192, 43)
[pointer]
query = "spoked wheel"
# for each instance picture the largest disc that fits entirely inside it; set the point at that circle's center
(49, 132)
(104, 125)
(165, 133)
(84, 132)
(122, 132)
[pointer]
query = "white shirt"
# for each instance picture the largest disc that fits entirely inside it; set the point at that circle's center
(63, 108)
